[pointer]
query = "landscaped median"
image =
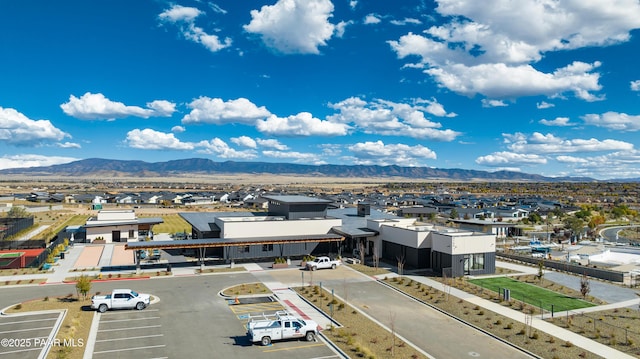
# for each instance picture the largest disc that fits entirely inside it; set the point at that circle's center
(358, 336)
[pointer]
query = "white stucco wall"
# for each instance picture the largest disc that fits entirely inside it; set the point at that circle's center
(234, 227)
(463, 242)
(414, 237)
(116, 215)
(106, 233)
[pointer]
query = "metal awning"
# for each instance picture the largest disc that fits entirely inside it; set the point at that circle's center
(232, 242)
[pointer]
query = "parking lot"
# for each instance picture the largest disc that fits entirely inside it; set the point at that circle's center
(258, 307)
(26, 336)
(130, 334)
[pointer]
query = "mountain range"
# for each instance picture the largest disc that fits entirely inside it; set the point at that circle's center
(119, 168)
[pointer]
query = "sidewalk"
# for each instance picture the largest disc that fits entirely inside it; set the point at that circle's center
(536, 322)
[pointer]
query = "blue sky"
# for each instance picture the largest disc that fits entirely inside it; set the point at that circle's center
(544, 87)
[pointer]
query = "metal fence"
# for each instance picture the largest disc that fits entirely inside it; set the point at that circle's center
(596, 327)
(12, 226)
(600, 273)
(42, 258)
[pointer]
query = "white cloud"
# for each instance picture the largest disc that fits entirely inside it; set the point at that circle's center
(501, 81)
(92, 106)
(502, 159)
(559, 121)
(353, 4)
(377, 153)
(221, 149)
(571, 159)
(179, 13)
(486, 43)
(68, 145)
(493, 103)
(28, 160)
(393, 119)
(331, 149)
(212, 42)
(217, 8)
(245, 141)
(406, 21)
(614, 121)
(521, 31)
(178, 129)
(293, 26)
(543, 105)
(18, 129)
(162, 108)
(371, 19)
(185, 18)
(620, 164)
(302, 124)
(635, 85)
(271, 143)
(298, 157)
(541, 144)
(149, 139)
(341, 27)
(217, 111)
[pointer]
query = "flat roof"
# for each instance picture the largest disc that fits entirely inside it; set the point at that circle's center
(204, 221)
(232, 242)
(296, 199)
(147, 220)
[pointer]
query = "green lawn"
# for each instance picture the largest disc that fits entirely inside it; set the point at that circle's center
(532, 294)
(173, 223)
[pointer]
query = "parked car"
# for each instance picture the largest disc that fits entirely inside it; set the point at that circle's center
(323, 263)
(120, 299)
(281, 325)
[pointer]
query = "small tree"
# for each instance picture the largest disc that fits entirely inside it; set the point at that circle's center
(83, 286)
(584, 286)
(18, 212)
(540, 270)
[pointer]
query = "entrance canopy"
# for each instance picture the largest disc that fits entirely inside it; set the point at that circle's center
(230, 242)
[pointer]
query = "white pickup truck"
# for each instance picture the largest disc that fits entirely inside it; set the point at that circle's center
(120, 299)
(281, 325)
(323, 263)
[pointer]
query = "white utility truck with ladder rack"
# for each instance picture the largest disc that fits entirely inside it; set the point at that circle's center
(278, 326)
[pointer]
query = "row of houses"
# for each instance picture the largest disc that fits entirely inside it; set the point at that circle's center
(405, 204)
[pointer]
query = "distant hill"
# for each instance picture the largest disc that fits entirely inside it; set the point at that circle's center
(116, 168)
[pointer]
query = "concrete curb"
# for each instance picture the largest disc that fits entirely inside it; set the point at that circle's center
(91, 338)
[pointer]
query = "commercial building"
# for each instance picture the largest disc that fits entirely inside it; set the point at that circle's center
(119, 226)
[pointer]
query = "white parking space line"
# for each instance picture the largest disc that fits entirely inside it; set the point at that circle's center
(25, 330)
(129, 338)
(28, 321)
(127, 320)
(127, 349)
(129, 328)
(21, 351)
(124, 312)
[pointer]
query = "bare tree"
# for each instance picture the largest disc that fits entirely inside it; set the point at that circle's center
(361, 249)
(376, 259)
(585, 287)
(446, 284)
(400, 264)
